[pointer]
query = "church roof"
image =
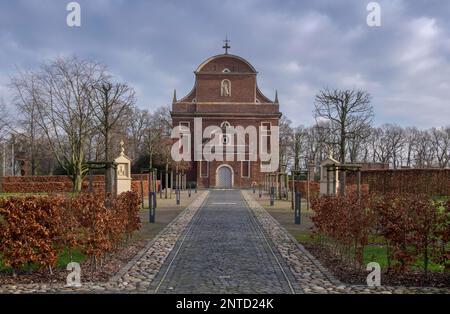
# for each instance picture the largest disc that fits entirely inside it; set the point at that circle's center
(244, 65)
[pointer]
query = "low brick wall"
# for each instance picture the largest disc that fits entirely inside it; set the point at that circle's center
(61, 184)
(302, 187)
(314, 188)
(136, 183)
(429, 181)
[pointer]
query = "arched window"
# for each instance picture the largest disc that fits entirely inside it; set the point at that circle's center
(225, 89)
(226, 70)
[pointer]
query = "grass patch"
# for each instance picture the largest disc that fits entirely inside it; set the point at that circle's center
(441, 198)
(303, 236)
(63, 260)
(378, 253)
(374, 252)
(7, 194)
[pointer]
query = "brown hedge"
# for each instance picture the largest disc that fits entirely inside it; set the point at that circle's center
(412, 225)
(36, 229)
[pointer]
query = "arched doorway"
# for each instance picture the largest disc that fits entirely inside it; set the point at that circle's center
(224, 177)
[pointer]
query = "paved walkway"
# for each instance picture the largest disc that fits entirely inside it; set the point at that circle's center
(225, 250)
(223, 242)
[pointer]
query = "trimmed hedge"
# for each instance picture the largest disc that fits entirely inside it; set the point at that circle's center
(413, 227)
(36, 229)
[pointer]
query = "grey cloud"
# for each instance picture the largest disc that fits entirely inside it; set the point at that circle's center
(297, 46)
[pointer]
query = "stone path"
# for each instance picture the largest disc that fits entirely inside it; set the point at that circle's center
(225, 251)
(224, 242)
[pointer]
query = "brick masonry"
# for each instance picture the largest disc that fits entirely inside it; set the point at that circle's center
(429, 181)
(246, 106)
(61, 184)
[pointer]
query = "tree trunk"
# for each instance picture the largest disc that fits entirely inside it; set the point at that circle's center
(342, 147)
(150, 161)
(77, 181)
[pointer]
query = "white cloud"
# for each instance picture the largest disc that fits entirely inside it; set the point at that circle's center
(291, 67)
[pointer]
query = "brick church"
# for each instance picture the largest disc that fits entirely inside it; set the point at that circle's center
(225, 93)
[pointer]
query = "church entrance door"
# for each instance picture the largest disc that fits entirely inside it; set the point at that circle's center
(224, 177)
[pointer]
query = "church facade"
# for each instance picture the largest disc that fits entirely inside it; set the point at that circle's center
(226, 93)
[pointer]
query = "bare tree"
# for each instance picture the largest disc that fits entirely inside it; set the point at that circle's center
(358, 144)
(5, 120)
(380, 146)
(348, 111)
(25, 93)
(299, 136)
(61, 91)
(109, 103)
(4, 131)
(410, 134)
(395, 138)
(158, 128)
(285, 140)
(138, 122)
(424, 155)
(440, 140)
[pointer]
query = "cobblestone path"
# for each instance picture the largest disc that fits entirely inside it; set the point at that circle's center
(225, 250)
(223, 242)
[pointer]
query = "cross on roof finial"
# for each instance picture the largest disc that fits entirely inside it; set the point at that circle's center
(226, 46)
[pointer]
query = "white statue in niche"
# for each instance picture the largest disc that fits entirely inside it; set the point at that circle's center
(121, 170)
(226, 88)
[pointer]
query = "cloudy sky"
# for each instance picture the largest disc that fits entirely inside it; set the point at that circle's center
(298, 47)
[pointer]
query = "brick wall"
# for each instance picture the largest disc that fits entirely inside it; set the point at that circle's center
(314, 188)
(429, 181)
(209, 88)
(302, 187)
(60, 184)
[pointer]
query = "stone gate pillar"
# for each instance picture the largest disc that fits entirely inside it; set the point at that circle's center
(123, 177)
(329, 179)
